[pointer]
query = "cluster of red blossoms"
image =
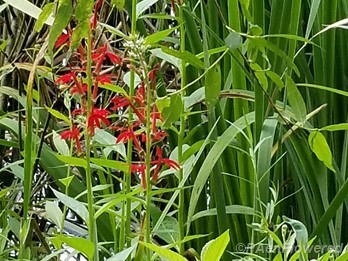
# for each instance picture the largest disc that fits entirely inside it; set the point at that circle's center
(76, 83)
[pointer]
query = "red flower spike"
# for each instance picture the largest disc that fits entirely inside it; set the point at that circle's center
(73, 134)
(62, 39)
(103, 79)
(77, 112)
(65, 78)
(97, 117)
(140, 169)
(130, 135)
(158, 166)
(152, 74)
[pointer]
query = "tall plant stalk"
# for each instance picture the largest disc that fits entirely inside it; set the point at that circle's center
(181, 135)
(92, 227)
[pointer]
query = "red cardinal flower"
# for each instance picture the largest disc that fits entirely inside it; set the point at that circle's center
(62, 39)
(160, 161)
(129, 134)
(97, 117)
(140, 168)
(73, 134)
(100, 54)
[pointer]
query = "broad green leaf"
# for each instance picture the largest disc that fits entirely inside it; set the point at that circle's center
(61, 21)
(113, 164)
(260, 75)
(212, 157)
(127, 79)
(342, 257)
(212, 86)
(163, 252)
(278, 257)
(60, 144)
(54, 213)
(276, 79)
(231, 209)
(119, 4)
(296, 101)
(159, 36)
(214, 249)
(233, 40)
(73, 204)
(18, 171)
(114, 88)
(162, 102)
(44, 15)
(195, 97)
(83, 12)
(114, 31)
(167, 57)
(80, 244)
(109, 142)
(320, 147)
(171, 114)
(123, 255)
(4, 191)
(66, 181)
(336, 127)
(143, 6)
(300, 230)
(28, 8)
(185, 56)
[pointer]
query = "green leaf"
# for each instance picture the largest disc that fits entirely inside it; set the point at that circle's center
(165, 253)
(159, 36)
(124, 254)
(114, 30)
(44, 15)
(28, 8)
(213, 156)
(336, 127)
(233, 40)
(80, 244)
(231, 209)
(320, 147)
(296, 101)
(214, 249)
(276, 79)
(114, 88)
(119, 4)
(109, 142)
(260, 75)
(83, 12)
(54, 213)
(61, 21)
(112, 164)
(60, 144)
(185, 56)
(167, 57)
(170, 114)
(73, 204)
(212, 86)
(162, 102)
(300, 230)
(143, 6)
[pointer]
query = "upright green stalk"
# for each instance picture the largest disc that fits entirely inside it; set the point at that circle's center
(92, 226)
(130, 143)
(181, 133)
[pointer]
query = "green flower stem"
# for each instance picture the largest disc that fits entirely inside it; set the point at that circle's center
(92, 230)
(130, 143)
(148, 158)
(181, 134)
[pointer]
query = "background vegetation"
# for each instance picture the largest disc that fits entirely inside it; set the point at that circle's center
(209, 119)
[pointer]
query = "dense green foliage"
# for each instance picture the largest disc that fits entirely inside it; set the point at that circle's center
(173, 130)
